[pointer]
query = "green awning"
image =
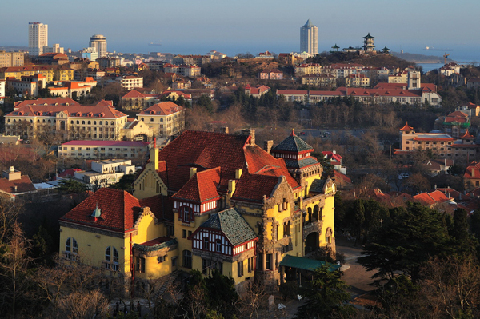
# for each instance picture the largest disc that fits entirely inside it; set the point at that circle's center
(305, 263)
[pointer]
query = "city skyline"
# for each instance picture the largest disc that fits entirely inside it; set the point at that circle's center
(198, 27)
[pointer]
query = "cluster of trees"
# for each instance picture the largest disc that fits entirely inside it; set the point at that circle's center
(425, 262)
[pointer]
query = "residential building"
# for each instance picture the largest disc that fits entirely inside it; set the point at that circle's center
(440, 144)
(101, 150)
(65, 117)
(319, 80)
(271, 75)
(456, 123)
(256, 91)
(28, 85)
(131, 82)
(471, 177)
(73, 89)
(471, 109)
(377, 95)
(2, 91)
(90, 53)
(104, 173)
(187, 70)
(164, 118)
(309, 38)
(99, 42)
(13, 184)
(358, 80)
(134, 100)
(37, 37)
(308, 68)
(51, 72)
(335, 160)
(473, 83)
(56, 48)
(209, 201)
(11, 58)
(105, 62)
(52, 58)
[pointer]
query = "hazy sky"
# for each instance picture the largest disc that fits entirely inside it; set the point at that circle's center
(230, 26)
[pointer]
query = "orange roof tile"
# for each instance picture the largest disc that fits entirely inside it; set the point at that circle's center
(119, 211)
(162, 108)
(406, 127)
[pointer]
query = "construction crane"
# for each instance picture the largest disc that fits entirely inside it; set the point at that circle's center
(445, 57)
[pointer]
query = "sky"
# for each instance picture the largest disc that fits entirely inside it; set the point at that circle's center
(240, 26)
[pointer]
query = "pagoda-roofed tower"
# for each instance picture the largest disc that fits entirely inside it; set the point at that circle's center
(369, 43)
(468, 138)
(297, 156)
(407, 129)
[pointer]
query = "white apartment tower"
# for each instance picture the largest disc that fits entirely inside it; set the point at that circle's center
(37, 37)
(309, 38)
(99, 42)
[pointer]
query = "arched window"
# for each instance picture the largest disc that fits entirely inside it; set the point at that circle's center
(111, 258)
(71, 248)
(187, 259)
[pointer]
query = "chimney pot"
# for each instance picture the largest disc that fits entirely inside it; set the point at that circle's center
(268, 146)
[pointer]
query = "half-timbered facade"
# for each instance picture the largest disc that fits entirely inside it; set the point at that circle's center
(230, 206)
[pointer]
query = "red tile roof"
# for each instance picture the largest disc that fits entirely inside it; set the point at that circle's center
(431, 198)
(48, 101)
(467, 135)
(406, 127)
(252, 187)
(202, 187)
(101, 110)
(162, 108)
(119, 211)
(24, 184)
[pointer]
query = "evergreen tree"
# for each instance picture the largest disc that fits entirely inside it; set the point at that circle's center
(326, 296)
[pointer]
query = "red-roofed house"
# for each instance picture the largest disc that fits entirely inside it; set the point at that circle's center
(335, 160)
(442, 145)
(13, 183)
(204, 173)
(34, 118)
(431, 199)
(256, 91)
(164, 118)
(271, 75)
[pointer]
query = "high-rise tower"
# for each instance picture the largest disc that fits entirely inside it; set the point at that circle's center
(37, 37)
(309, 38)
(99, 42)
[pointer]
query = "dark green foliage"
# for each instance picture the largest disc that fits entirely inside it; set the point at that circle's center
(125, 183)
(326, 296)
(72, 186)
(409, 238)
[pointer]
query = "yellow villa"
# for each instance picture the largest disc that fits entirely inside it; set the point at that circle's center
(209, 201)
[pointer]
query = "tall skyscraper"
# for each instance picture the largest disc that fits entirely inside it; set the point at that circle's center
(309, 38)
(99, 42)
(37, 37)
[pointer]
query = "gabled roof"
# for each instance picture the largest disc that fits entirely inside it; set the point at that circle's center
(293, 144)
(202, 187)
(432, 198)
(232, 225)
(162, 108)
(119, 211)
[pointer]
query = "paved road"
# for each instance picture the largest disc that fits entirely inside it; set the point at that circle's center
(356, 276)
